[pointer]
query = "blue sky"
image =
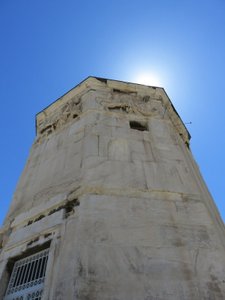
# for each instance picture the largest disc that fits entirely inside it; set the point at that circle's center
(49, 46)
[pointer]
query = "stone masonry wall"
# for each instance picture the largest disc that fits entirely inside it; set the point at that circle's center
(111, 184)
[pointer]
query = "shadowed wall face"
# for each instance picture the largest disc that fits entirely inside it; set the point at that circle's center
(111, 185)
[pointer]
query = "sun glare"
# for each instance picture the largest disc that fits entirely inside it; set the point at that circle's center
(148, 79)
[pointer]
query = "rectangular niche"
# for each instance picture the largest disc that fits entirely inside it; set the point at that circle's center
(141, 126)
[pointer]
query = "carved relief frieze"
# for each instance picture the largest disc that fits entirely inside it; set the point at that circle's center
(57, 119)
(133, 104)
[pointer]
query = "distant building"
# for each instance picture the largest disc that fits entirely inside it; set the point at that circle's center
(111, 204)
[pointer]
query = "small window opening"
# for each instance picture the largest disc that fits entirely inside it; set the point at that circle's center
(138, 126)
(27, 277)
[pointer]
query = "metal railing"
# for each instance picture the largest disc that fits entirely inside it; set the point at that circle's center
(27, 278)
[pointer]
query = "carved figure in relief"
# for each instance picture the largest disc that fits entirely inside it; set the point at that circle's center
(133, 105)
(67, 112)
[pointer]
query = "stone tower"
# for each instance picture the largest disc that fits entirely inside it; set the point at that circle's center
(111, 204)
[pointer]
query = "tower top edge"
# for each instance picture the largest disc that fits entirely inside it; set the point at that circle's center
(90, 79)
(100, 83)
